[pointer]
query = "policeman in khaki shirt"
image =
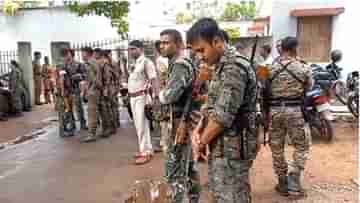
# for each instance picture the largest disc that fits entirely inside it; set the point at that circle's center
(142, 76)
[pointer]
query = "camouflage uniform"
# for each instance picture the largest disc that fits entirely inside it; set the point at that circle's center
(93, 96)
(77, 73)
(285, 100)
(232, 103)
(16, 89)
(174, 94)
(116, 90)
(64, 101)
(105, 76)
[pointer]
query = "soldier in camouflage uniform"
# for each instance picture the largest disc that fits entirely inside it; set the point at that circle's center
(77, 73)
(105, 77)
(93, 93)
(180, 171)
(112, 84)
(288, 80)
(115, 84)
(64, 92)
(230, 117)
(16, 88)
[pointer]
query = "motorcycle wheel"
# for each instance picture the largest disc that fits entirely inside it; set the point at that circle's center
(353, 105)
(326, 129)
(322, 128)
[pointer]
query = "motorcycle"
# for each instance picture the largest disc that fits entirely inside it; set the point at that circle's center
(318, 113)
(329, 80)
(352, 85)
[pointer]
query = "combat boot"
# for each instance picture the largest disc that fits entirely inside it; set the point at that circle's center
(107, 132)
(194, 199)
(88, 138)
(282, 186)
(83, 125)
(294, 186)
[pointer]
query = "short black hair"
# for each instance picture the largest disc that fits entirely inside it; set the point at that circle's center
(137, 44)
(14, 63)
(289, 44)
(225, 36)
(206, 29)
(88, 50)
(175, 34)
(267, 48)
(37, 53)
(66, 51)
(157, 45)
(97, 50)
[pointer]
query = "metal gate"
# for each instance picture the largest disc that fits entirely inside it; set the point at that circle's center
(5, 58)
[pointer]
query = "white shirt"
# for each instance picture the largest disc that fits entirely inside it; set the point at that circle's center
(138, 78)
(268, 61)
(162, 64)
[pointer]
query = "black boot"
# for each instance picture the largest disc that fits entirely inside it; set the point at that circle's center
(282, 186)
(194, 199)
(294, 186)
(83, 125)
(89, 138)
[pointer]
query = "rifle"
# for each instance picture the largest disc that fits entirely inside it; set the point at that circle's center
(181, 131)
(253, 52)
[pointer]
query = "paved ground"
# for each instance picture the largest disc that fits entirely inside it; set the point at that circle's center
(56, 170)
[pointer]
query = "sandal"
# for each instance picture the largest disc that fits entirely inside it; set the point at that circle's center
(143, 159)
(138, 154)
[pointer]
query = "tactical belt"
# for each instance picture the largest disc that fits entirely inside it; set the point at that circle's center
(285, 103)
(137, 94)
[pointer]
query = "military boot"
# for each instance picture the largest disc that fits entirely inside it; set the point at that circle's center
(194, 199)
(83, 125)
(294, 186)
(107, 132)
(89, 138)
(282, 186)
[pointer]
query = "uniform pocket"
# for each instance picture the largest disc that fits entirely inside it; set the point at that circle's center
(232, 148)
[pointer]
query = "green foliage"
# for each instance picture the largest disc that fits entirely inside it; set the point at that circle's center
(234, 33)
(231, 12)
(116, 11)
(11, 7)
(183, 18)
(235, 11)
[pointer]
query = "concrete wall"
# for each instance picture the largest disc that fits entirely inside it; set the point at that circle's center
(344, 29)
(41, 26)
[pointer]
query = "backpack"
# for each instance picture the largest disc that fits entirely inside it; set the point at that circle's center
(268, 93)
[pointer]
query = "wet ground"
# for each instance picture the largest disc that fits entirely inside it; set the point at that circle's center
(57, 170)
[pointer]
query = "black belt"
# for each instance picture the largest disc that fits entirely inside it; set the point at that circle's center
(285, 103)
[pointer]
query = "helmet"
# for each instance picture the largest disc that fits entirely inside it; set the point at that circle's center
(336, 55)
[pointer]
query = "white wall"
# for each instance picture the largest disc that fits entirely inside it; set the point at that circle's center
(41, 26)
(344, 33)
